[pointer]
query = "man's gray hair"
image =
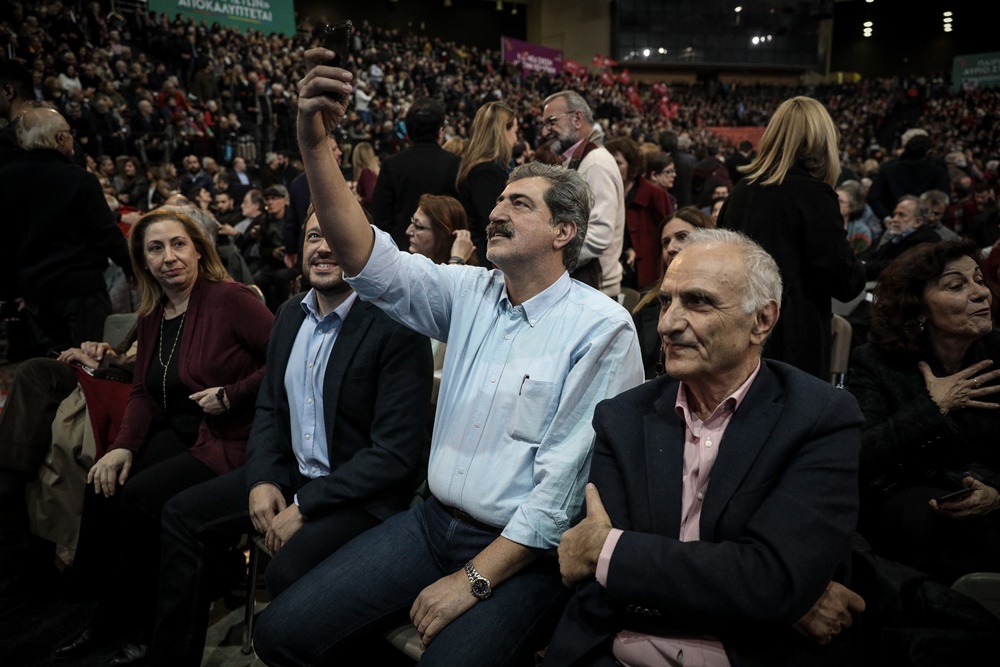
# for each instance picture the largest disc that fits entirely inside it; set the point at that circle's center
(569, 199)
(763, 280)
(574, 102)
(922, 208)
(40, 130)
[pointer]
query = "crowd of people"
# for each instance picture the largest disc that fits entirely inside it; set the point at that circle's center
(336, 233)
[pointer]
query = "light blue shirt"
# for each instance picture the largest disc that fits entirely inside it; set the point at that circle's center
(512, 433)
(304, 377)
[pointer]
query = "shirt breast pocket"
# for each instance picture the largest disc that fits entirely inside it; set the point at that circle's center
(534, 410)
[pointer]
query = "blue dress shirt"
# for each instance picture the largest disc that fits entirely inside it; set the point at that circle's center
(304, 376)
(512, 434)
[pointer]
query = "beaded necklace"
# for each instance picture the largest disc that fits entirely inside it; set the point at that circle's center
(159, 352)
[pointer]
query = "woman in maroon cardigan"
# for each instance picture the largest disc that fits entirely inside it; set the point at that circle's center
(202, 343)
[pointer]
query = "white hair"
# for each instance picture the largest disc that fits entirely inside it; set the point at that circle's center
(763, 280)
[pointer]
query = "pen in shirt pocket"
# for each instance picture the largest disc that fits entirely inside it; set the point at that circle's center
(526, 377)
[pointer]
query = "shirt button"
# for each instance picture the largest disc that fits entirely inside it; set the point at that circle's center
(493, 379)
(461, 471)
(477, 424)
(532, 322)
(315, 469)
(309, 401)
(708, 443)
(701, 495)
(308, 436)
(506, 337)
(310, 364)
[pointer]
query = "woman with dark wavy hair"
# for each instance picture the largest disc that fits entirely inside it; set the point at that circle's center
(925, 385)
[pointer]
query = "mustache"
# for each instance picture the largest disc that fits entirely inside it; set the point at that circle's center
(502, 228)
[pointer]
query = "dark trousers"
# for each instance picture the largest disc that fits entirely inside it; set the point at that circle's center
(373, 581)
(59, 324)
(39, 386)
(198, 526)
(120, 536)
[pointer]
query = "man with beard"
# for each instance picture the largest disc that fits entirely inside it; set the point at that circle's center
(568, 118)
(336, 447)
(530, 353)
(195, 176)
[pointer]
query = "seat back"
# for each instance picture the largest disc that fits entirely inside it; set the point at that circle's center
(116, 326)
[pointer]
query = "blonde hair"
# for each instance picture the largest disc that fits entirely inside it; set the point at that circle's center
(801, 129)
(488, 142)
(363, 157)
(209, 266)
(455, 145)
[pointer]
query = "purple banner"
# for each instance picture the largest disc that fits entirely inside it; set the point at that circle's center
(533, 57)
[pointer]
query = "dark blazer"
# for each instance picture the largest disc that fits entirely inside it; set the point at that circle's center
(223, 343)
(776, 522)
(376, 394)
(424, 168)
(906, 175)
(57, 230)
(798, 222)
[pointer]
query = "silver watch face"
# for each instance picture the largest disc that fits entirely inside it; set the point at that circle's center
(481, 588)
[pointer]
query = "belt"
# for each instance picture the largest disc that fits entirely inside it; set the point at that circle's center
(469, 520)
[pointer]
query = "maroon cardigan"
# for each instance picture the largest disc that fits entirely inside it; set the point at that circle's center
(223, 343)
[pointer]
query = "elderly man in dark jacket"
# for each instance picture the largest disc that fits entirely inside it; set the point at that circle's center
(59, 234)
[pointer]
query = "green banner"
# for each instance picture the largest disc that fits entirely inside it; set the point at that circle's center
(980, 70)
(265, 15)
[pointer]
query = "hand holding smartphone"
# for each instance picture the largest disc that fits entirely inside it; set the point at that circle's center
(337, 38)
(954, 496)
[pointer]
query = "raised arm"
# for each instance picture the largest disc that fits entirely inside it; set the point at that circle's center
(340, 215)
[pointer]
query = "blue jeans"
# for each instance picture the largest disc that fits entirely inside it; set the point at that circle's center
(371, 583)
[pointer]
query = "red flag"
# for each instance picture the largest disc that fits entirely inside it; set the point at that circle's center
(633, 97)
(607, 78)
(574, 68)
(598, 60)
(660, 89)
(609, 62)
(624, 77)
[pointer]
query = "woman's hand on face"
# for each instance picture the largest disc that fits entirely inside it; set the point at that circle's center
(983, 500)
(208, 400)
(964, 389)
(462, 245)
(112, 469)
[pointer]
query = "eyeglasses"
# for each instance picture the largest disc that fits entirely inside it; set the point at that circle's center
(668, 172)
(417, 226)
(551, 120)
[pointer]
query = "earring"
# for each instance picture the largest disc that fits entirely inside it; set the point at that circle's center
(921, 324)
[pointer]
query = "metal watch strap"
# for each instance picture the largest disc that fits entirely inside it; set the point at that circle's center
(479, 584)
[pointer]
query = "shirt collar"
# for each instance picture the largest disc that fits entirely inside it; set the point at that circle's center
(539, 304)
(568, 153)
(311, 308)
(727, 407)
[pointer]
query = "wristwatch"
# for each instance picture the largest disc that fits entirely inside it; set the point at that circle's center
(220, 396)
(480, 585)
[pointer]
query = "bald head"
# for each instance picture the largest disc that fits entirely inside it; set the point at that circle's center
(45, 128)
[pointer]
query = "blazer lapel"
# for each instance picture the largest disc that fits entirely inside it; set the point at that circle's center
(745, 437)
(352, 332)
(664, 440)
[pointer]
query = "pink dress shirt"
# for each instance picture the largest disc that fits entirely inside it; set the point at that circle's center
(702, 440)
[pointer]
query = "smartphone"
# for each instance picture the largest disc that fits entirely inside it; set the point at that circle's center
(953, 496)
(337, 38)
